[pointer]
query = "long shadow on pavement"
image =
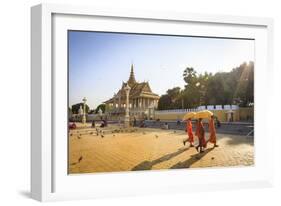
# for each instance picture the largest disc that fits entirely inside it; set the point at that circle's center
(194, 158)
(236, 140)
(147, 165)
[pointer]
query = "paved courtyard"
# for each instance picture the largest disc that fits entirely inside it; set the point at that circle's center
(112, 150)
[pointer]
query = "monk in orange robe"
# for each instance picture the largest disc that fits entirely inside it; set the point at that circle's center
(212, 131)
(189, 133)
(201, 136)
(197, 128)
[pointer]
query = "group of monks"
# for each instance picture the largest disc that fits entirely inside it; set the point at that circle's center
(200, 133)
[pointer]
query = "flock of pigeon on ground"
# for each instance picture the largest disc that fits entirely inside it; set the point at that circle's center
(101, 133)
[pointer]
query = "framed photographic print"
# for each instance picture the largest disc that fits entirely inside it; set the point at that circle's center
(136, 102)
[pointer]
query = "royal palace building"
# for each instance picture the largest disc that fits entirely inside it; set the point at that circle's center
(142, 101)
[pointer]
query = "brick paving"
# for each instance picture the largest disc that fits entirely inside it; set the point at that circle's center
(146, 149)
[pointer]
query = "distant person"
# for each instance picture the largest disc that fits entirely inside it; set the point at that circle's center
(142, 125)
(135, 122)
(119, 122)
(165, 126)
(93, 124)
(212, 131)
(103, 123)
(72, 125)
(201, 136)
(218, 123)
(190, 138)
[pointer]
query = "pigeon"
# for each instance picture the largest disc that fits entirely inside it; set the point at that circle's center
(70, 134)
(102, 136)
(143, 132)
(212, 158)
(91, 133)
(114, 135)
(156, 136)
(80, 159)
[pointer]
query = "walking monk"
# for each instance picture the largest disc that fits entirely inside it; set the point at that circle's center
(212, 130)
(189, 133)
(201, 136)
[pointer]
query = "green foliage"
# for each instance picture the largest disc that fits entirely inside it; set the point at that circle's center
(221, 88)
(69, 111)
(92, 111)
(165, 102)
(102, 107)
(75, 108)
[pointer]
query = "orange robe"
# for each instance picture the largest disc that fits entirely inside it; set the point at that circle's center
(189, 131)
(212, 130)
(201, 135)
(197, 129)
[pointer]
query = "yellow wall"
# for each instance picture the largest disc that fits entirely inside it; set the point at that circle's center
(239, 115)
(246, 113)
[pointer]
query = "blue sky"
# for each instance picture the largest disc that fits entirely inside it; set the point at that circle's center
(99, 62)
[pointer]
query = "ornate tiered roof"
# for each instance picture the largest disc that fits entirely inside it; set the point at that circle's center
(141, 89)
(132, 81)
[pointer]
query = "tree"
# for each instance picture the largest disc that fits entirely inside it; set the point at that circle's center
(244, 93)
(189, 76)
(174, 93)
(75, 108)
(92, 111)
(250, 86)
(102, 107)
(191, 93)
(165, 102)
(69, 111)
(215, 90)
(221, 88)
(195, 90)
(171, 100)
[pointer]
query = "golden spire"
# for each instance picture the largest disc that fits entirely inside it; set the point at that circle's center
(132, 79)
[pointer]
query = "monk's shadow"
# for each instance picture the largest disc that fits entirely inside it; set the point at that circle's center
(194, 158)
(147, 165)
(234, 140)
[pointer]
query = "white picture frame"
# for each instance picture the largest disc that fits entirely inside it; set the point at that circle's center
(49, 178)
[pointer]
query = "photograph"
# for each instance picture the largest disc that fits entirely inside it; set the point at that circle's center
(139, 102)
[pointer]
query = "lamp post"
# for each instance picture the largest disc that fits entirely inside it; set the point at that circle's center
(127, 116)
(84, 110)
